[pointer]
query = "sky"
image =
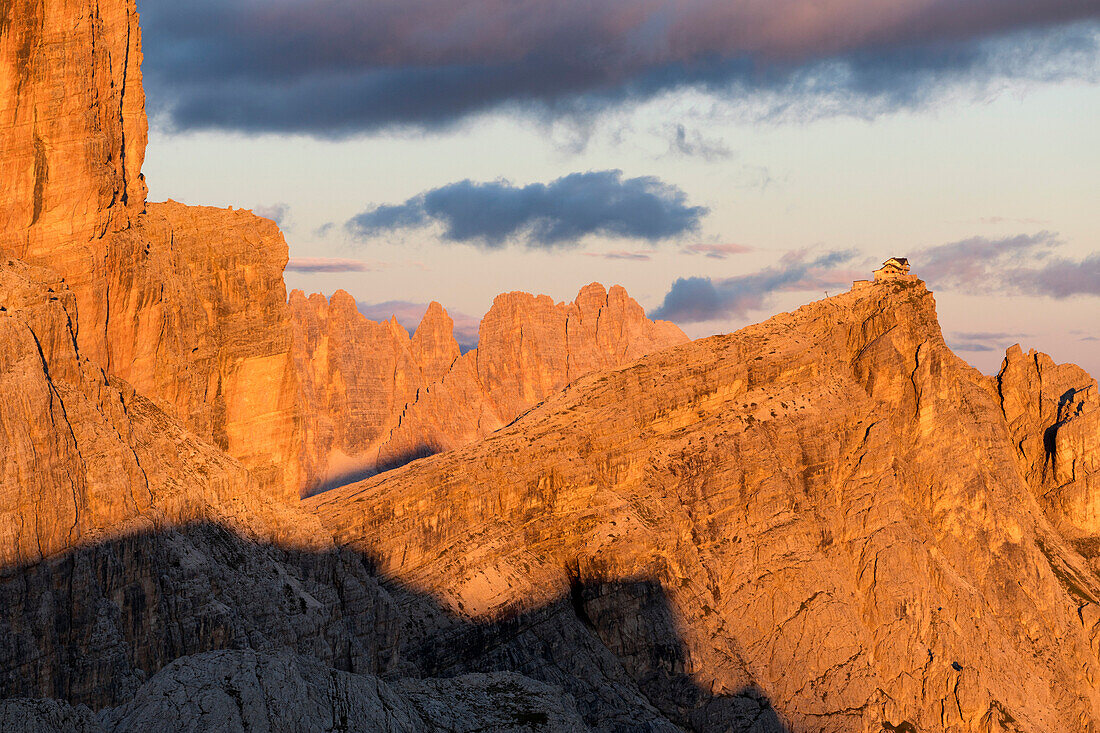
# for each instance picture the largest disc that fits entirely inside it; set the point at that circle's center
(722, 160)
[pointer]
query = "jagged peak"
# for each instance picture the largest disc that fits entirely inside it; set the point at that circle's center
(591, 296)
(435, 323)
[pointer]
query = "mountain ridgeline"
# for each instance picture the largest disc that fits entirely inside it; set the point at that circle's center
(823, 522)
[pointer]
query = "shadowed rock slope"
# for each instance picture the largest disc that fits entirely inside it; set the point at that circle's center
(241, 692)
(131, 545)
(373, 398)
(831, 501)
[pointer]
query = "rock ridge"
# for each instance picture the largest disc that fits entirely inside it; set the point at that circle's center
(829, 499)
(375, 398)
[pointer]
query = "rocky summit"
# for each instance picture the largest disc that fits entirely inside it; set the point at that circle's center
(375, 398)
(824, 522)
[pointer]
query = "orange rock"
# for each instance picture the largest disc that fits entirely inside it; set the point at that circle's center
(830, 501)
(199, 323)
(72, 126)
(87, 458)
(374, 398)
(1053, 413)
(186, 303)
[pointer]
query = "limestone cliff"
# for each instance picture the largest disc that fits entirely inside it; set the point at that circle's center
(187, 304)
(126, 541)
(87, 457)
(830, 501)
(375, 398)
(72, 126)
(199, 323)
(1053, 415)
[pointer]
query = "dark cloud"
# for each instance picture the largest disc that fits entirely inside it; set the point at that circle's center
(278, 213)
(543, 215)
(328, 264)
(333, 67)
(716, 251)
(1025, 264)
(698, 299)
(409, 314)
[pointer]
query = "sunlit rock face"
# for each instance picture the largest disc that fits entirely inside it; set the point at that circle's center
(185, 303)
(72, 126)
(374, 398)
(1053, 413)
(826, 522)
(85, 457)
(831, 501)
(199, 323)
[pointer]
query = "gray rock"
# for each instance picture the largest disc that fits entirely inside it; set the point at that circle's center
(249, 692)
(23, 715)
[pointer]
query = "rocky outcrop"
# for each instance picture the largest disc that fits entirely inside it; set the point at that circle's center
(129, 542)
(829, 503)
(374, 398)
(356, 376)
(530, 347)
(1053, 414)
(199, 323)
(72, 141)
(187, 304)
(85, 456)
(245, 692)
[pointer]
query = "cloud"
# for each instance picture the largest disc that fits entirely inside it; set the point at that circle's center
(1011, 220)
(278, 213)
(983, 341)
(328, 264)
(971, 346)
(698, 299)
(409, 314)
(1060, 278)
(542, 215)
(695, 144)
(1025, 264)
(987, 335)
(640, 256)
(334, 68)
(716, 251)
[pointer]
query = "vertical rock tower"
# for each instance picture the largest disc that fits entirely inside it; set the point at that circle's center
(185, 303)
(73, 132)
